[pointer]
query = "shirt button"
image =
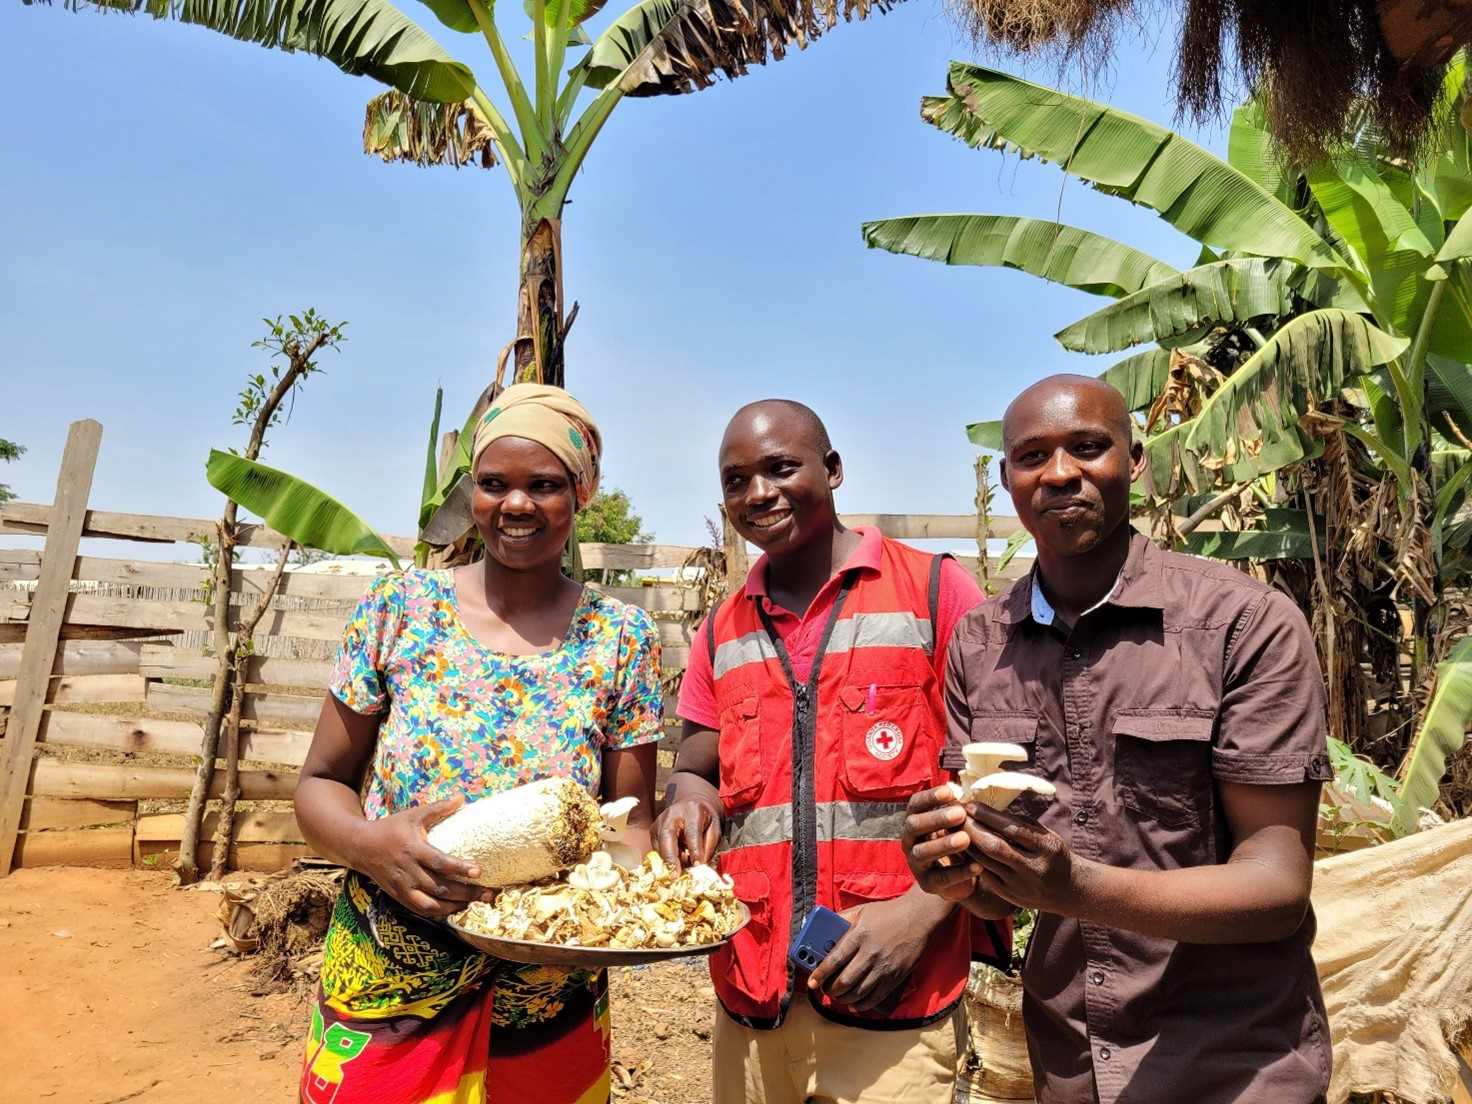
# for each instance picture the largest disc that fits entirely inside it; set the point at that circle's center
(1074, 653)
(1104, 1053)
(1081, 817)
(1098, 977)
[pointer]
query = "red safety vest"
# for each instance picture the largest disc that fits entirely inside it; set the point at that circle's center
(814, 779)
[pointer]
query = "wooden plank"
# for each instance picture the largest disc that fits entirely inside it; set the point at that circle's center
(250, 827)
(16, 633)
(24, 564)
(73, 485)
(633, 557)
(148, 734)
(263, 857)
(80, 657)
(656, 599)
(931, 526)
(257, 709)
(187, 616)
(167, 661)
(35, 518)
(79, 689)
(113, 781)
(1019, 567)
(105, 847)
(45, 814)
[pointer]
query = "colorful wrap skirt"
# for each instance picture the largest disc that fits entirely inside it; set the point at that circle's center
(407, 1014)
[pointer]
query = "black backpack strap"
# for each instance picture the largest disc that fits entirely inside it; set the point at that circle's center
(936, 562)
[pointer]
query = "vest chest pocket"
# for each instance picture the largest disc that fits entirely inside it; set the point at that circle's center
(1162, 766)
(888, 740)
(740, 752)
(1020, 729)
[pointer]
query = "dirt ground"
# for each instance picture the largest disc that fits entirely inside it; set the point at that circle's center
(112, 993)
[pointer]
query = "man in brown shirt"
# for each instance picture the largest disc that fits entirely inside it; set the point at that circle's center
(1177, 707)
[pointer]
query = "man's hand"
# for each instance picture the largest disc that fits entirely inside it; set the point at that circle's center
(935, 843)
(396, 854)
(884, 941)
(688, 831)
(1022, 862)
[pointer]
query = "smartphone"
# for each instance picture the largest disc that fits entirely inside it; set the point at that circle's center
(820, 933)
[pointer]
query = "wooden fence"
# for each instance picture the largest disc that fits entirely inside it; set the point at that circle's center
(105, 677)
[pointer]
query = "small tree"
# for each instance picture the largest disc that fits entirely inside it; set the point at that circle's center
(610, 519)
(9, 450)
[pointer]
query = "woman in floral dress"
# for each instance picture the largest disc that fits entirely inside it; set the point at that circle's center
(452, 685)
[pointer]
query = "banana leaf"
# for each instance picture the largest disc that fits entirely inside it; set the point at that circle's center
(361, 37)
(294, 508)
(1380, 233)
(1240, 291)
(1058, 253)
(431, 460)
(1139, 378)
(667, 47)
(1443, 731)
(986, 435)
(1121, 154)
(1284, 536)
(1250, 149)
(1249, 425)
(1448, 393)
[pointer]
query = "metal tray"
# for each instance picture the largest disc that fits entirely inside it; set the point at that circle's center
(566, 954)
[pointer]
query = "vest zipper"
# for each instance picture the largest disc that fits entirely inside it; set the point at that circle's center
(804, 875)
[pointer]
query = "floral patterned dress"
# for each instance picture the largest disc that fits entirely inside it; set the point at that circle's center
(408, 1014)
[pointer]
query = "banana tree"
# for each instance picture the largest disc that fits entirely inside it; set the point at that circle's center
(1309, 374)
(437, 110)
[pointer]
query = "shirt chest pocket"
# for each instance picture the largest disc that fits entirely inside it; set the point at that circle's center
(1020, 729)
(740, 752)
(888, 738)
(1162, 766)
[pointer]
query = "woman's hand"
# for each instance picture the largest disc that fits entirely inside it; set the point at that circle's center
(396, 854)
(688, 831)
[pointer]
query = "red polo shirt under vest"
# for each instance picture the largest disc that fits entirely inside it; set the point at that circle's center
(828, 724)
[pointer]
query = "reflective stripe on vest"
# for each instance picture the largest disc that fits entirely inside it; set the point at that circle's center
(861, 630)
(837, 820)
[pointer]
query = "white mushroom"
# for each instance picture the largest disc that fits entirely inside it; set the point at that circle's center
(987, 758)
(598, 873)
(997, 791)
(614, 831)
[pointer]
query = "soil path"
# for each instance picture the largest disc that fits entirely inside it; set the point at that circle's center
(112, 994)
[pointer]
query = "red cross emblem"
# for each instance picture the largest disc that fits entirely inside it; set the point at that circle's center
(885, 741)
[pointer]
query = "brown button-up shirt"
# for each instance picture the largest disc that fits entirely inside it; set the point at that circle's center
(1190, 674)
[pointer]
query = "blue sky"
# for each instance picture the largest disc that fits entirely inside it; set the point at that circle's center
(173, 186)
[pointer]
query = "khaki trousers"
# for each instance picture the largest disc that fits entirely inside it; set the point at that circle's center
(810, 1059)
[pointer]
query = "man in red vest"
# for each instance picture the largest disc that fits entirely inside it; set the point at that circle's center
(812, 710)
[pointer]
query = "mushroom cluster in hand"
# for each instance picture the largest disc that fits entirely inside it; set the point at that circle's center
(984, 782)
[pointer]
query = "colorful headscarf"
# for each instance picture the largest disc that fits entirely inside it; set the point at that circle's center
(553, 419)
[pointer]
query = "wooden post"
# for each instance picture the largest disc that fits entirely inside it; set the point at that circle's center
(734, 547)
(48, 610)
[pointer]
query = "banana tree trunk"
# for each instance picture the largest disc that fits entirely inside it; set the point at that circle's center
(540, 326)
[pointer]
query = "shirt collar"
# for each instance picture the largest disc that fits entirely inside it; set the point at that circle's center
(1138, 587)
(865, 557)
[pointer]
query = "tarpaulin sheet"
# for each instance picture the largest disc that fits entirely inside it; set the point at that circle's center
(1394, 952)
